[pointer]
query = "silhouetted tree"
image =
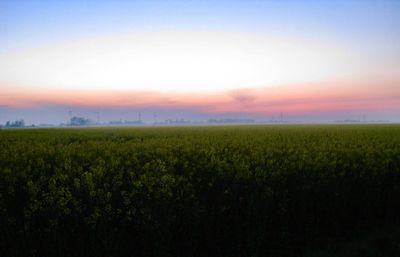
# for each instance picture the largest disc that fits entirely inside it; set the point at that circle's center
(79, 121)
(15, 124)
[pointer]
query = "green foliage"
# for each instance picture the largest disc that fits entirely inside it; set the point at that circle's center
(195, 191)
(79, 121)
(15, 124)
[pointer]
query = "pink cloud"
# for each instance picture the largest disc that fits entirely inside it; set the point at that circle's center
(291, 99)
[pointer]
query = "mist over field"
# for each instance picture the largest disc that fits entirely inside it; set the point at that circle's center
(57, 115)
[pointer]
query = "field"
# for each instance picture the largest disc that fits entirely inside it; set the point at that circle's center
(293, 190)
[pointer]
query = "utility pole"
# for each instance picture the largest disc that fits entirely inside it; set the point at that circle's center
(281, 117)
(98, 117)
(70, 115)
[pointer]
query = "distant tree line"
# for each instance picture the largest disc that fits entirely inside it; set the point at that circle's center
(79, 121)
(231, 121)
(15, 124)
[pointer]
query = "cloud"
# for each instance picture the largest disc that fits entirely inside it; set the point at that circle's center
(243, 96)
(314, 97)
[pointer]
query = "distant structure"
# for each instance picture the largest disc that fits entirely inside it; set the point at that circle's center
(231, 121)
(125, 122)
(177, 122)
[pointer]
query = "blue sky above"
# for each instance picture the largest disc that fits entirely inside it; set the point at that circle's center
(367, 23)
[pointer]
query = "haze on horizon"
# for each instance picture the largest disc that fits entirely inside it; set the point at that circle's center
(314, 61)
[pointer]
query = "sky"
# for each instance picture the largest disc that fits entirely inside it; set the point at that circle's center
(312, 61)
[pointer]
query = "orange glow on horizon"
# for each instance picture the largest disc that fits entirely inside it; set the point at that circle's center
(294, 98)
